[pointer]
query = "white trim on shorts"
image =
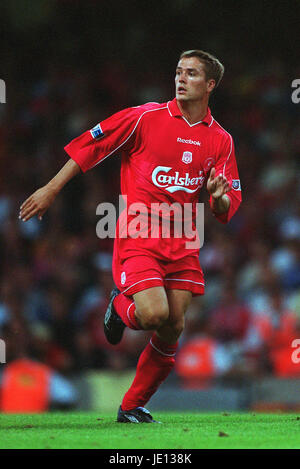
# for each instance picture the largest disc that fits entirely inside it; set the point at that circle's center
(144, 280)
(185, 280)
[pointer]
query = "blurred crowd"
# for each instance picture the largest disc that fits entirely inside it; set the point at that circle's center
(55, 275)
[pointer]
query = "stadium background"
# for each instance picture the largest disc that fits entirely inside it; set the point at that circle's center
(67, 65)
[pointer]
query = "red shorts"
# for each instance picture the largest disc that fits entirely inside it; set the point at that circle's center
(140, 272)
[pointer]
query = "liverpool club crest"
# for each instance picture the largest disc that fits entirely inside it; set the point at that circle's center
(187, 157)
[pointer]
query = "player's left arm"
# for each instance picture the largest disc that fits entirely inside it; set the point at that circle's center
(224, 184)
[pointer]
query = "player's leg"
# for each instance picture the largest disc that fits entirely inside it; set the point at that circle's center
(151, 308)
(158, 358)
(147, 310)
(183, 280)
(178, 301)
(136, 274)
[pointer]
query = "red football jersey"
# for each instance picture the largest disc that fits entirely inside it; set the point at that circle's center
(164, 159)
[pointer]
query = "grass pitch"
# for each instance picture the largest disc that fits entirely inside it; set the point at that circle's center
(178, 431)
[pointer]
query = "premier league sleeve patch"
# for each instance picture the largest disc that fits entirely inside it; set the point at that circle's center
(236, 184)
(97, 132)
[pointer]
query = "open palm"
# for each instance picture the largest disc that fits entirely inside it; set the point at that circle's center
(217, 186)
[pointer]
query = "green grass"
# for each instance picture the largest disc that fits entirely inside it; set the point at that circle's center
(179, 430)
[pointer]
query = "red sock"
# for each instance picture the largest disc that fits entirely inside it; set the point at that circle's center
(125, 308)
(154, 365)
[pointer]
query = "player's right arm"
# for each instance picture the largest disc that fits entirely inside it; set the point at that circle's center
(39, 202)
(115, 133)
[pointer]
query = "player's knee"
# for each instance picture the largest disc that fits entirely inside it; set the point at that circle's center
(153, 319)
(177, 327)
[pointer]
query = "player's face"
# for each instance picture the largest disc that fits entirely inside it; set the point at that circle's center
(190, 80)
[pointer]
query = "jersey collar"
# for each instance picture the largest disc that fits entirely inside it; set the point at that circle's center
(175, 112)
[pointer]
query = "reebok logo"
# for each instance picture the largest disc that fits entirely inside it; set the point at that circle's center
(188, 141)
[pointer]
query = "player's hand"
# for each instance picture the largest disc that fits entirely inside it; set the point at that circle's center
(217, 186)
(37, 204)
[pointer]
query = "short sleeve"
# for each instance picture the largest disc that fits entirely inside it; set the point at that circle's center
(226, 165)
(106, 138)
